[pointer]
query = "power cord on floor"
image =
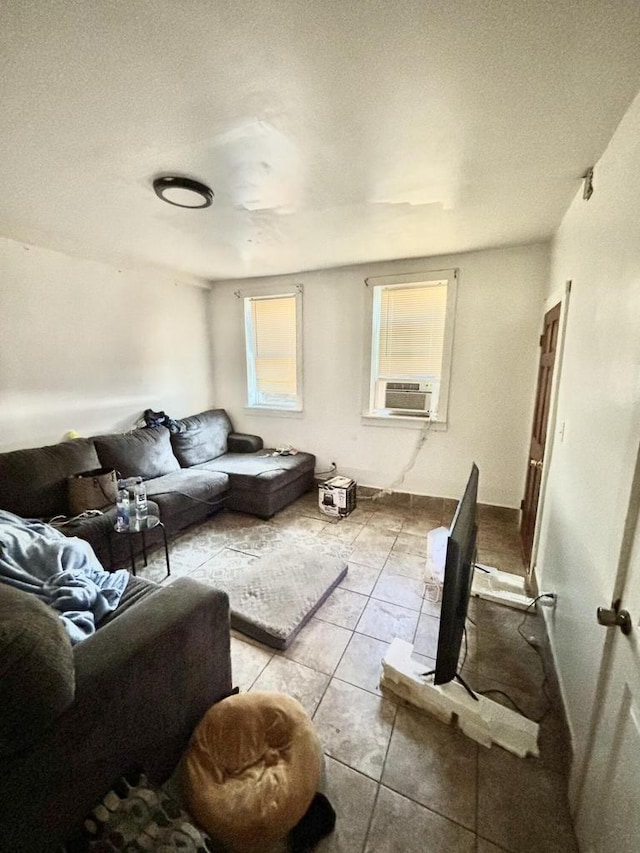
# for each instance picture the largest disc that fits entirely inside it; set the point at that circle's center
(536, 648)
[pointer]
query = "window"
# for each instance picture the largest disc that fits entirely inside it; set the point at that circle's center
(411, 340)
(274, 357)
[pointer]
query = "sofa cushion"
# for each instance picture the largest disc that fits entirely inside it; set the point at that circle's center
(177, 492)
(201, 437)
(261, 472)
(142, 453)
(33, 482)
(36, 668)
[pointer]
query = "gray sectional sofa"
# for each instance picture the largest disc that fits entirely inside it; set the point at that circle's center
(190, 473)
(73, 719)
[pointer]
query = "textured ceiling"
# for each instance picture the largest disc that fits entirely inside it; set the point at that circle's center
(331, 132)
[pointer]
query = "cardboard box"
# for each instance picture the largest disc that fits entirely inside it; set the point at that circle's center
(337, 497)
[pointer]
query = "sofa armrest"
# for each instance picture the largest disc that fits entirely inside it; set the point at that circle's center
(241, 442)
(143, 682)
(185, 608)
(146, 678)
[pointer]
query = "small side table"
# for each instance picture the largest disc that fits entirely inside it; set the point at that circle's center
(149, 523)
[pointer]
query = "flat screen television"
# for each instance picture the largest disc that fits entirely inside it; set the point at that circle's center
(458, 574)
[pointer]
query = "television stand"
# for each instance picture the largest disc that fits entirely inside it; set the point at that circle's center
(488, 582)
(459, 679)
(479, 718)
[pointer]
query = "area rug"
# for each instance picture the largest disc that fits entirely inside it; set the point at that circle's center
(274, 597)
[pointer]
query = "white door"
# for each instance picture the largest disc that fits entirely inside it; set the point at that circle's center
(607, 797)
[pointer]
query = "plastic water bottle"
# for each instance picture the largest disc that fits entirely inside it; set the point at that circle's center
(122, 509)
(140, 495)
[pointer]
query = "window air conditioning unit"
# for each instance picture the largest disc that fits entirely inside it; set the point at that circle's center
(408, 398)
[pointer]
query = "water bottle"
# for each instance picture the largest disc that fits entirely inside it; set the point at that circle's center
(140, 495)
(122, 509)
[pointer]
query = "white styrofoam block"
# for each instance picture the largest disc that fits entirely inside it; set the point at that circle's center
(436, 553)
(482, 720)
(500, 587)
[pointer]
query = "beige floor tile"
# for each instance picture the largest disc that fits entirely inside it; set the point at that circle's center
(387, 522)
(407, 565)
(522, 806)
(384, 621)
(355, 726)
(346, 531)
(361, 514)
(503, 560)
(426, 640)
(434, 764)
(369, 555)
(352, 795)
(298, 523)
(510, 661)
(420, 525)
(343, 608)
(402, 826)
(432, 601)
(409, 543)
(360, 578)
(247, 662)
(425, 506)
(379, 540)
(488, 847)
(319, 645)
(397, 589)
(286, 676)
(361, 664)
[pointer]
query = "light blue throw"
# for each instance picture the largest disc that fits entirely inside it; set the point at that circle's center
(62, 571)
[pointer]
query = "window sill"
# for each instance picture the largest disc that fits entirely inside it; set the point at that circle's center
(259, 411)
(400, 422)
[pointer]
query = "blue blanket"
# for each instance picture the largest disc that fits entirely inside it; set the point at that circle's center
(62, 571)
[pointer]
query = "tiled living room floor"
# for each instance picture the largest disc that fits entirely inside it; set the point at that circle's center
(400, 780)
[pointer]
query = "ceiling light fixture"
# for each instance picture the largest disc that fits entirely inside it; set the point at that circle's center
(182, 192)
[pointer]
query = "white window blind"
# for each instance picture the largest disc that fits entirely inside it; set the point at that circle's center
(411, 331)
(272, 326)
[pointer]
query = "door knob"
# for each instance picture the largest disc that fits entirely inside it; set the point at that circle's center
(613, 617)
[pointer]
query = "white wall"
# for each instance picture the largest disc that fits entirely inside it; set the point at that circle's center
(590, 472)
(500, 294)
(87, 347)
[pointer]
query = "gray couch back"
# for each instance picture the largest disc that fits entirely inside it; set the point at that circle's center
(201, 437)
(33, 482)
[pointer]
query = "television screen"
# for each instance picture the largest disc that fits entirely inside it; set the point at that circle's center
(458, 574)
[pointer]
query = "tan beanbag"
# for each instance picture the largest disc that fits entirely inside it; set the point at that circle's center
(252, 768)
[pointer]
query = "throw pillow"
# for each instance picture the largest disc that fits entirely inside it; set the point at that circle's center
(36, 668)
(137, 817)
(142, 453)
(201, 438)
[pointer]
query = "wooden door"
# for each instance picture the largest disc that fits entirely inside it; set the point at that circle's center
(548, 345)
